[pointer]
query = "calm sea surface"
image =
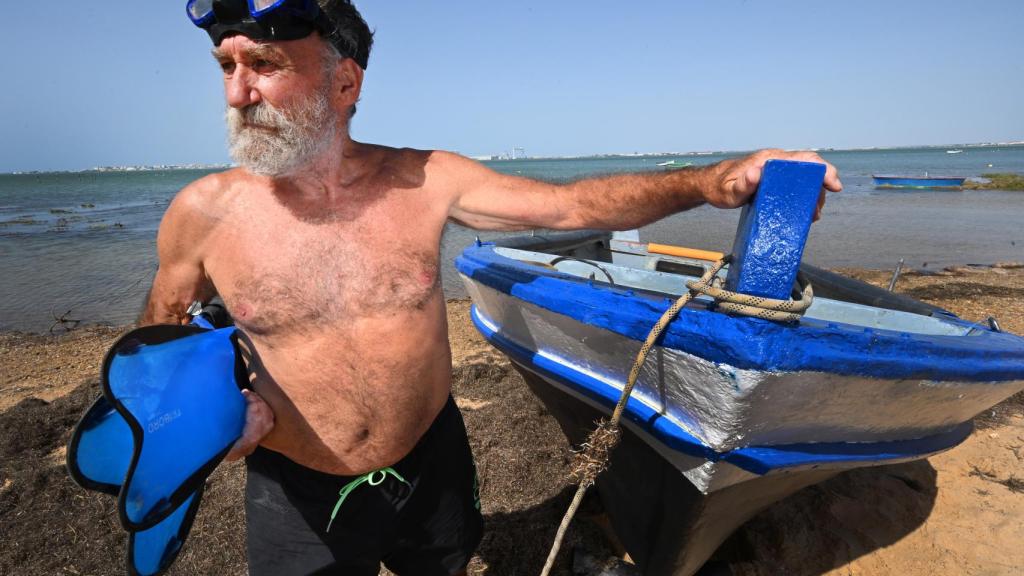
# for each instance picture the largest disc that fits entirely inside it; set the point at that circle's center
(82, 244)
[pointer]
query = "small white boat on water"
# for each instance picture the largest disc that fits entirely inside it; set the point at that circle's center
(675, 164)
(730, 413)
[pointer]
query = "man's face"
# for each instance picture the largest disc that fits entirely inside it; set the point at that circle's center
(280, 115)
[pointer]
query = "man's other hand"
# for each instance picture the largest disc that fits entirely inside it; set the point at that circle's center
(733, 182)
(259, 421)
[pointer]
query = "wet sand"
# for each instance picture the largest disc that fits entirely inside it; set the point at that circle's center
(961, 512)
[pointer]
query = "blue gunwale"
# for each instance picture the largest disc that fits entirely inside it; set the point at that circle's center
(751, 343)
(755, 459)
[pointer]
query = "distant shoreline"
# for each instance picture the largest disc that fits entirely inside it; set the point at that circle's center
(117, 169)
(697, 154)
(690, 154)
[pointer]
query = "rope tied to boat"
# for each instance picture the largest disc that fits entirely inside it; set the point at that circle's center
(754, 306)
(593, 455)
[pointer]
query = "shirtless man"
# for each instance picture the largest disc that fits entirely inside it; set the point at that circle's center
(326, 253)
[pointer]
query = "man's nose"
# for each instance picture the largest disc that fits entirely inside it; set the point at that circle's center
(240, 88)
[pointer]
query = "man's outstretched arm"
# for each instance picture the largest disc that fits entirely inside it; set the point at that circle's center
(484, 199)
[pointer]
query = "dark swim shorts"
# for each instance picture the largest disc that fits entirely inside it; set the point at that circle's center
(420, 516)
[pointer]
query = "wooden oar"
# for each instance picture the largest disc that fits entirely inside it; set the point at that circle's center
(681, 252)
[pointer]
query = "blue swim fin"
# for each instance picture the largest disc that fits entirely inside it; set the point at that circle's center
(178, 388)
(100, 449)
(152, 551)
(98, 457)
(171, 409)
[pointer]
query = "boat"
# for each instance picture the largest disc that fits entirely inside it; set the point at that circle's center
(925, 182)
(957, 151)
(671, 164)
(730, 414)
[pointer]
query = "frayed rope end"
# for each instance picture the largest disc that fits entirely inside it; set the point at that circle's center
(592, 458)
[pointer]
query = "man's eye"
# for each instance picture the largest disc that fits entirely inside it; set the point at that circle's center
(227, 67)
(262, 64)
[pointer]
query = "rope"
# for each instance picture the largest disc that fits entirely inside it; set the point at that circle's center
(592, 458)
(756, 306)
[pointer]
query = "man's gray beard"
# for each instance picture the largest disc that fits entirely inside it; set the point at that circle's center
(298, 136)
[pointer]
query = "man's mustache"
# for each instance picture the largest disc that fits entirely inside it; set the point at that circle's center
(260, 116)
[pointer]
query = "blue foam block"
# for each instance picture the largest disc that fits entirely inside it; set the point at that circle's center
(773, 229)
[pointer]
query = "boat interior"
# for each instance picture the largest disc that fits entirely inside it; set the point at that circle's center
(624, 262)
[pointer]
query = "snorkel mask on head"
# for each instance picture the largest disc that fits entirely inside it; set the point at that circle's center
(338, 22)
(262, 20)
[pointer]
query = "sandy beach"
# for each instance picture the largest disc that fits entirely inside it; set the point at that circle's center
(961, 512)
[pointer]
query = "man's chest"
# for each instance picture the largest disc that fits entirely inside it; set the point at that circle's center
(275, 276)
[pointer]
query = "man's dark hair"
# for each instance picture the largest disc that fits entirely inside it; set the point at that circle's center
(351, 36)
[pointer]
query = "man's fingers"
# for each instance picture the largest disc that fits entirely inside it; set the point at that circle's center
(240, 449)
(259, 421)
(744, 176)
(832, 182)
(752, 178)
(259, 418)
(821, 205)
(744, 184)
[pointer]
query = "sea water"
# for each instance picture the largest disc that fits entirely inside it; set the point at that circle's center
(81, 246)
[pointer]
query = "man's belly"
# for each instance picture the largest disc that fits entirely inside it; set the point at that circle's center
(347, 405)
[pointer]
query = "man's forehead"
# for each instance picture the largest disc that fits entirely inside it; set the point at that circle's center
(247, 47)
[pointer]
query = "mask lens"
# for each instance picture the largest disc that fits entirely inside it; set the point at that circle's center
(261, 7)
(199, 10)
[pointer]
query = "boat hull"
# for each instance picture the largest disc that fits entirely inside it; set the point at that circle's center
(908, 182)
(704, 415)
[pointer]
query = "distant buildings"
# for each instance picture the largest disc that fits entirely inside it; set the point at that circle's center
(159, 167)
(516, 153)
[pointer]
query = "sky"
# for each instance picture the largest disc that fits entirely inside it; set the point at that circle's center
(129, 82)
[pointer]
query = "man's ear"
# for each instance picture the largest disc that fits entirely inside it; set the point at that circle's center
(348, 82)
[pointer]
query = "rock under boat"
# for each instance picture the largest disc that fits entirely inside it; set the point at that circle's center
(730, 413)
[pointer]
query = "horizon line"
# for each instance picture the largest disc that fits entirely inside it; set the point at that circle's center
(480, 157)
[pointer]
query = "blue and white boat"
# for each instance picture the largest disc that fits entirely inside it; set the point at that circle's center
(730, 413)
(919, 182)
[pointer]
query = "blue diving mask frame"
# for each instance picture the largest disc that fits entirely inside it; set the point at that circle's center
(259, 19)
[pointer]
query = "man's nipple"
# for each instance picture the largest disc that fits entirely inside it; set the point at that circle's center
(242, 311)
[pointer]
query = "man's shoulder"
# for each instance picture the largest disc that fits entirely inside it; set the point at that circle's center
(214, 188)
(204, 201)
(422, 158)
(437, 172)
(214, 193)
(439, 167)
(412, 167)
(446, 159)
